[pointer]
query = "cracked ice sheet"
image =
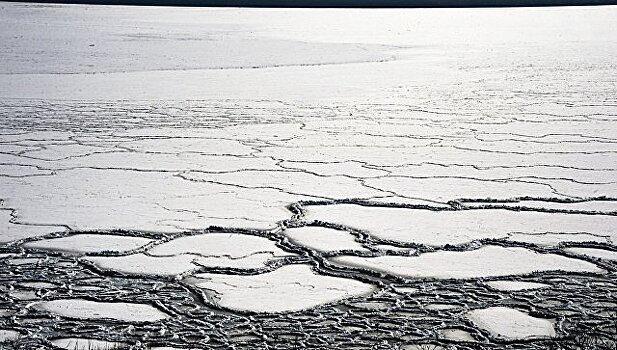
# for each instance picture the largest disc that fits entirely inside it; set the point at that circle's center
(90, 243)
(292, 182)
(184, 254)
(117, 199)
(555, 239)
(12, 230)
(15, 170)
(487, 261)
(587, 205)
(289, 288)
(428, 153)
(538, 172)
(441, 227)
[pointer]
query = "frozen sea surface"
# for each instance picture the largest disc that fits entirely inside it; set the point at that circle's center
(179, 178)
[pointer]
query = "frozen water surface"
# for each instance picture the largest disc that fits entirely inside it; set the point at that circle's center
(81, 308)
(87, 344)
(90, 243)
(510, 324)
(486, 261)
(323, 239)
(143, 264)
(594, 253)
(8, 334)
(516, 285)
(180, 255)
(267, 178)
(440, 227)
(289, 288)
(11, 230)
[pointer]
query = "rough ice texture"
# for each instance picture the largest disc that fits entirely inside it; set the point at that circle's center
(90, 243)
(88, 344)
(510, 324)
(486, 261)
(289, 288)
(87, 309)
(8, 334)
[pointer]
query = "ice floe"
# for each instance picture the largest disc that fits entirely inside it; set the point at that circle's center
(506, 285)
(87, 309)
(289, 288)
(594, 253)
(180, 255)
(323, 239)
(441, 227)
(90, 243)
(511, 324)
(12, 231)
(486, 261)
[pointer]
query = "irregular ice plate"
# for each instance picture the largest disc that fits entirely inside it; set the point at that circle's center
(90, 243)
(486, 261)
(142, 264)
(10, 231)
(322, 239)
(81, 308)
(510, 324)
(229, 249)
(180, 255)
(441, 227)
(515, 285)
(289, 288)
(594, 253)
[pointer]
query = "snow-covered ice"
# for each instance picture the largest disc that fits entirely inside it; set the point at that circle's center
(261, 178)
